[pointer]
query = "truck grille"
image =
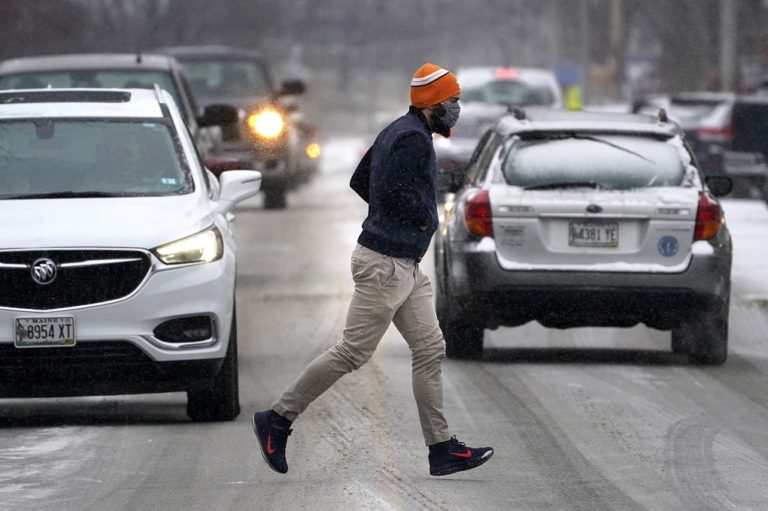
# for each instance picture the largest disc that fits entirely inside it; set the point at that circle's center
(69, 278)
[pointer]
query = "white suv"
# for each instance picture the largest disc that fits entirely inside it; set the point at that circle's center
(117, 261)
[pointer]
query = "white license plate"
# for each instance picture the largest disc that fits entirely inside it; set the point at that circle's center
(45, 332)
(593, 234)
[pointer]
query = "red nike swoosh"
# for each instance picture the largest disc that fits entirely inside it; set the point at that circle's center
(270, 449)
(466, 454)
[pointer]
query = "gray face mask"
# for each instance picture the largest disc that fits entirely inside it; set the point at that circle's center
(444, 117)
(452, 111)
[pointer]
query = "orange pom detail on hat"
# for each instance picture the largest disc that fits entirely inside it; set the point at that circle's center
(432, 84)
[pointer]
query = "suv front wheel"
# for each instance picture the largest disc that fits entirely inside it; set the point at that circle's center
(275, 184)
(275, 198)
(218, 400)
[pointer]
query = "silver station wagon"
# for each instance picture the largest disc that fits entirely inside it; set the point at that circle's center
(579, 219)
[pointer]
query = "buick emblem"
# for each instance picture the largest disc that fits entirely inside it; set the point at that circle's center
(43, 271)
(594, 208)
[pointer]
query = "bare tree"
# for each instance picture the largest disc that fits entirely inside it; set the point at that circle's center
(687, 32)
(37, 26)
(362, 39)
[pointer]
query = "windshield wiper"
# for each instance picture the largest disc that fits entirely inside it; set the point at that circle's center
(63, 195)
(611, 144)
(569, 184)
(566, 135)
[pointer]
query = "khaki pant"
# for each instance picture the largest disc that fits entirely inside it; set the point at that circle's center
(387, 289)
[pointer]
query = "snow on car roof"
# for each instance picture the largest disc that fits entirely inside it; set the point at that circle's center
(558, 120)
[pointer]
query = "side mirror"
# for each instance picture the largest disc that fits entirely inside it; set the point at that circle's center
(450, 176)
(236, 186)
(292, 87)
(217, 115)
(219, 164)
(719, 185)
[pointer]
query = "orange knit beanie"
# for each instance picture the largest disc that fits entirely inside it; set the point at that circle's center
(432, 84)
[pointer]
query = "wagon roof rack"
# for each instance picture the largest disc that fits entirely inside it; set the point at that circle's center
(517, 112)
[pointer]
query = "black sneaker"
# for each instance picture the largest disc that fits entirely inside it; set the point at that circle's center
(272, 430)
(453, 456)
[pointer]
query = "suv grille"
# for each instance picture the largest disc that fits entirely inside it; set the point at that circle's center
(75, 277)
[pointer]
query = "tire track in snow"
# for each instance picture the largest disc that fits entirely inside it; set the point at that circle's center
(576, 484)
(690, 454)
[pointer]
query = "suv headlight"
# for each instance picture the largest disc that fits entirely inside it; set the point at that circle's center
(204, 247)
(267, 123)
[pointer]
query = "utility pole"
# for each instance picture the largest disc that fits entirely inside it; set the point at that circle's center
(556, 33)
(586, 62)
(728, 19)
(617, 46)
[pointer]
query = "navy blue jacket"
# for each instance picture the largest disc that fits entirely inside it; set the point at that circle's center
(397, 178)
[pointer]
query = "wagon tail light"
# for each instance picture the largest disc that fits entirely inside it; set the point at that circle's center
(477, 214)
(708, 218)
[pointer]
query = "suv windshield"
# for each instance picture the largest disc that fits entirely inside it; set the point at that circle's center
(90, 158)
(617, 162)
(226, 78)
(92, 78)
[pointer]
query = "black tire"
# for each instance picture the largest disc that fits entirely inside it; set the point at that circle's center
(441, 285)
(275, 198)
(765, 190)
(441, 307)
(706, 337)
(680, 340)
(218, 400)
(710, 347)
(463, 340)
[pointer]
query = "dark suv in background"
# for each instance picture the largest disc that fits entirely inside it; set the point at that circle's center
(726, 131)
(735, 141)
(267, 136)
(688, 110)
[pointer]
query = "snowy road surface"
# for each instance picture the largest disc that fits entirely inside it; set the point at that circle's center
(581, 419)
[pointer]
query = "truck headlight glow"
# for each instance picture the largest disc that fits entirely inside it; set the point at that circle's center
(267, 123)
(203, 247)
(313, 150)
